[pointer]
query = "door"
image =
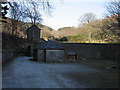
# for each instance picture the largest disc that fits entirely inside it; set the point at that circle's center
(35, 54)
(44, 55)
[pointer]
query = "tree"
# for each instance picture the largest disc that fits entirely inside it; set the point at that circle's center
(28, 11)
(113, 15)
(113, 9)
(16, 15)
(87, 18)
(33, 10)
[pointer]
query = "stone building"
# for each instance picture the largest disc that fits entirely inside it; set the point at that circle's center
(49, 51)
(34, 37)
(33, 33)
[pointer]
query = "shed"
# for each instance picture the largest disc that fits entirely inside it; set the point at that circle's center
(33, 33)
(49, 51)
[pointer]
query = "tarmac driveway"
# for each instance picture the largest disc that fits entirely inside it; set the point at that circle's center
(23, 73)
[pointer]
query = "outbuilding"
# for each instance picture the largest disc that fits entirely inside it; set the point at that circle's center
(33, 33)
(49, 51)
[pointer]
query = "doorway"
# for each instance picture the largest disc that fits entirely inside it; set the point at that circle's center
(44, 50)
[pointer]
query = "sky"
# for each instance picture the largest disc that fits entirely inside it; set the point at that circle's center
(67, 12)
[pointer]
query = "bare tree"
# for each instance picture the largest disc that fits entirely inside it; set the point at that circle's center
(113, 9)
(33, 10)
(87, 18)
(28, 11)
(15, 14)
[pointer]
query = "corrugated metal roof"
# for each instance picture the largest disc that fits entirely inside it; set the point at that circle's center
(49, 45)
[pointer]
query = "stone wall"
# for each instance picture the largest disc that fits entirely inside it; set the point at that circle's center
(48, 55)
(54, 55)
(33, 33)
(7, 55)
(11, 45)
(93, 51)
(40, 55)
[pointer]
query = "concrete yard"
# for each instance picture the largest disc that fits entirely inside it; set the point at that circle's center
(24, 73)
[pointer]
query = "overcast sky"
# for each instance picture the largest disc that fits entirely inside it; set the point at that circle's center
(67, 12)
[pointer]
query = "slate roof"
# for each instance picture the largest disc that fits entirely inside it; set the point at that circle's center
(49, 45)
(85, 47)
(33, 27)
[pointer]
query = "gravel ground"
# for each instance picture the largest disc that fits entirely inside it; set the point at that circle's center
(23, 73)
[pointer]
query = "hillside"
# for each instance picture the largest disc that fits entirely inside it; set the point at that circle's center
(106, 30)
(22, 28)
(100, 31)
(18, 40)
